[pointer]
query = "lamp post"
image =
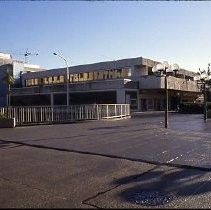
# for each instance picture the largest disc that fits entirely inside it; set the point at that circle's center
(203, 83)
(164, 68)
(67, 76)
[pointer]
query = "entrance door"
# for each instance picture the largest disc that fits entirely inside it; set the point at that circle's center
(150, 104)
(143, 105)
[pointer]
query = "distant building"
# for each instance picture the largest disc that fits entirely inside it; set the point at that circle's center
(17, 68)
(123, 81)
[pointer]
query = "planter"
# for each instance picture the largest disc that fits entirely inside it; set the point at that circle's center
(7, 123)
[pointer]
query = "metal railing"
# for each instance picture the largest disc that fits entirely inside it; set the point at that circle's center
(62, 114)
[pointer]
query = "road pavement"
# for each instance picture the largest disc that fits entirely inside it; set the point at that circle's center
(129, 163)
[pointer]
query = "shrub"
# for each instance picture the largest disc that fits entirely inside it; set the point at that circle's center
(3, 116)
(191, 108)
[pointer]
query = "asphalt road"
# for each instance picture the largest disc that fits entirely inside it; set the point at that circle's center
(107, 164)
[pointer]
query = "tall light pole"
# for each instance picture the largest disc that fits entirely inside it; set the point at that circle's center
(67, 75)
(27, 54)
(164, 68)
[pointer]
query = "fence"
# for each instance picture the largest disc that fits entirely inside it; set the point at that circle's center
(60, 114)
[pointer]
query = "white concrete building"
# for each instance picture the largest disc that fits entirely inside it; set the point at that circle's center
(17, 68)
(123, 81)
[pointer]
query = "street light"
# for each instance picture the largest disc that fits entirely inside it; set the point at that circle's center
(164, 68)
(203, 82)
(67, 76)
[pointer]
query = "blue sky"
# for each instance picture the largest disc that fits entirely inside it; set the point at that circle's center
(94, 31)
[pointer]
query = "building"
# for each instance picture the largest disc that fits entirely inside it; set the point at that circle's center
(123, 81)
(16, 68)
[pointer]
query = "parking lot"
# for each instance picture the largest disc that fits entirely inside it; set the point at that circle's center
(106, 163)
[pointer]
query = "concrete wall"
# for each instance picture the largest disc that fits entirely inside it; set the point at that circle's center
(153, 82)
(83, 86)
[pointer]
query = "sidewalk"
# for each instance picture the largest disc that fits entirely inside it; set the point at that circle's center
(151, 113)
(130, 163)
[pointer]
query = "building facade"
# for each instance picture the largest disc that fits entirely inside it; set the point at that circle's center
(16, 68)
(123, 81)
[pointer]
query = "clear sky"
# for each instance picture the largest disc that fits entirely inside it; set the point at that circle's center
(94, 31)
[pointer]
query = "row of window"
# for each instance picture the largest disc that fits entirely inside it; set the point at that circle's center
(78, 77)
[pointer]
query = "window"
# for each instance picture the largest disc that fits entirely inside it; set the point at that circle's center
(105, 75)
(42, 81)
(71, 78)
(126, 72)
(55, 79)
(35, 81)
(100, 75)
(81, 75)
(28, 82)
(90, 75)
(75, 77)
(46, 80)
(110, 73)
(95, 75)
(118, 73)
(129, 72)
(49, 80)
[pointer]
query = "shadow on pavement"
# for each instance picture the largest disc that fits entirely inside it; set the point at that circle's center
(6, 145)
(158, 186)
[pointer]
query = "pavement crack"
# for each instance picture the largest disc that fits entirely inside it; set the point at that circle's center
(98, 194)
(86, 201)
